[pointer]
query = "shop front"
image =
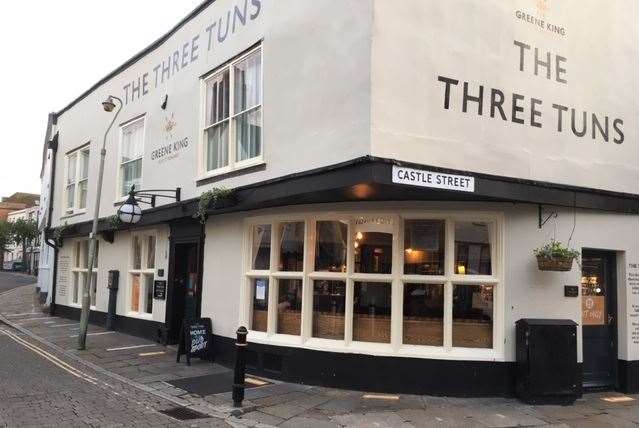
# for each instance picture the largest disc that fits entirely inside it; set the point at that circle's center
(371, 220)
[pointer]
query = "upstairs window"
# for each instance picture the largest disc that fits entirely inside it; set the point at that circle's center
(131, 153)
(77, 180)
(232, 135)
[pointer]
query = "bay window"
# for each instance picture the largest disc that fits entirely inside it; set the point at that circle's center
(405, 284)
(131, 153)
(77, 167)
(142, 273)
(232, 122)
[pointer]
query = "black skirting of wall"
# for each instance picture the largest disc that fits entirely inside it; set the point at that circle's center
(134, 326)
(374, 373)
(628, 372)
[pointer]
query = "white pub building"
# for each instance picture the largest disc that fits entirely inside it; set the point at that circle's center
(362, 185)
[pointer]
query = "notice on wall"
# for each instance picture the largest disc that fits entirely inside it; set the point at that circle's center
(62, 280)
(633, 304)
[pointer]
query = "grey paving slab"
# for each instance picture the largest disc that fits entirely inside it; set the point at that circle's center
(284, 411)
(298, 422)
(262, 418)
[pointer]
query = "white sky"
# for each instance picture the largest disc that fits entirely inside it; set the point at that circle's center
(51, 52)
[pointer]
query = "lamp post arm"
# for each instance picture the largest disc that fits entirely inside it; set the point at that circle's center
(88, 279)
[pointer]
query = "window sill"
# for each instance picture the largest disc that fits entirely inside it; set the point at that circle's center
(224, 173)
(376, 349)
(73, 214)
(139, 315)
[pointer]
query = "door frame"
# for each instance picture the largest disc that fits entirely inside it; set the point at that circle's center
(611, 302)
(183, 232)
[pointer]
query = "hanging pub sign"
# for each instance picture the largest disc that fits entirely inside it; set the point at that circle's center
(196, 340)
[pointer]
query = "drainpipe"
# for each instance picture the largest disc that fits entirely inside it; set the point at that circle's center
(53, 145)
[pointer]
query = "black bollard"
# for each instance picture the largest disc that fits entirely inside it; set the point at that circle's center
(112, 285)
(240, 367)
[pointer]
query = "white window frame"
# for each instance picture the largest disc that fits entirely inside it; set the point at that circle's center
(75, 208)
(233, 164)
(143, 272)
(119, 197)
(80, 269)
(396, 278)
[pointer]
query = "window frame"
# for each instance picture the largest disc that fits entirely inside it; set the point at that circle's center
(396, 278)
(233, 164)
(142, 118)
(81, 269)
(77, 152)
(143, 272)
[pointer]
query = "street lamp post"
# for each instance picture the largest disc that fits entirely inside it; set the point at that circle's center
(108, 106)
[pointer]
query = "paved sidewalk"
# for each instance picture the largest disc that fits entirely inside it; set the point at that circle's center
(149, 367)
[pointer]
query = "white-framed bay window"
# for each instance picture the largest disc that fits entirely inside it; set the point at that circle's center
(420, 284)
(142, 273)
(131, 154)
(77, 179)
(80, 271)
(232, 115)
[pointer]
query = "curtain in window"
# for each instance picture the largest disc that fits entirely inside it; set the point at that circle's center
(247, 101)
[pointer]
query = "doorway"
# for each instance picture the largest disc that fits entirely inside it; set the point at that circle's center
(599, 319)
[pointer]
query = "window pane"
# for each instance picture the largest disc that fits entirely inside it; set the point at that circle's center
(373, 252)
(76, 286)
(84, 165)
(137, 253)
(217, 149)
(71, 168)
(71, 196)
(135, 293)
(150, 254)
(248, 82)
(248, 134)
(472, 248)
(291, 247)
(85, 254)
(424, 314)
(329, 302)
(289, 306)
(82, 188)
(217, 98)
(77, 262)
(261, 247)
(330, 250)
(424, 247)
(94, 288)
(372, 312)
(131, 176)
(260, 304)
(148, 287)
(473, 316)
(132, 141)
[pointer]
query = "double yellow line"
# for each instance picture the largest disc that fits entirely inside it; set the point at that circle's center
(52, 358)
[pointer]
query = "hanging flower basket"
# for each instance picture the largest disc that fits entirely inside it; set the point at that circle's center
(556, 257)
(555, 264)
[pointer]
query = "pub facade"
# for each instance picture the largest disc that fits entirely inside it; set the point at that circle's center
(363, 185)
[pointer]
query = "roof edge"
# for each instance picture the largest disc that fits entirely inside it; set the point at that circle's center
(195, 12)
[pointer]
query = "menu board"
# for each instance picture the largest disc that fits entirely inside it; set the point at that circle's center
(633, 285)
(64, 272)
(196, 340)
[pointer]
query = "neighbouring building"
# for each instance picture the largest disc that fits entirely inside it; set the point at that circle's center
(29, 256)
(392, 167)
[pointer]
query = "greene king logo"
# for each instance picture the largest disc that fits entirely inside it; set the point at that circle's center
(543, 6)
(169, 126)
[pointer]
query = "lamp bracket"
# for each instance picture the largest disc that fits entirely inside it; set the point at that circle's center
(542, 220)
(149, 196)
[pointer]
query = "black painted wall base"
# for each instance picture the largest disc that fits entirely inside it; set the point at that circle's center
(134, 326)
(374, 373)
(628, 372)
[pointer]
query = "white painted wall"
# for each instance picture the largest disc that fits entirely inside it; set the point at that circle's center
(316, 102)
(416, 41)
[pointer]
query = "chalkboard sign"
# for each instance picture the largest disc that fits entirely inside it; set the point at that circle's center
(196, 340)
(159, 290)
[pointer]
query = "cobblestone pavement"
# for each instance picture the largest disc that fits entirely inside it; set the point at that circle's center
(148, 367)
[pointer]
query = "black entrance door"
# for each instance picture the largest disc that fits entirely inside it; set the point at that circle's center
(185, 290)
(599, 319)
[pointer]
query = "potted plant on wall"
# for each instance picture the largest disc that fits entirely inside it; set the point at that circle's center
(555, 256)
